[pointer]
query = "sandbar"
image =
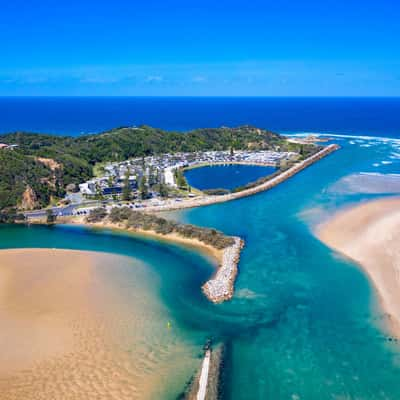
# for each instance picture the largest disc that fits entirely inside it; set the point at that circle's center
(370, 235)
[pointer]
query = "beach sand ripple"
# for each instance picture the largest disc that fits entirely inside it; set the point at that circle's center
(71, 330)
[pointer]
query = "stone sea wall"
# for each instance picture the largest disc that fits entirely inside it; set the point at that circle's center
(221, 286)
(208, 200)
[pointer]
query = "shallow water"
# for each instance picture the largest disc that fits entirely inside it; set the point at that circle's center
(86, 325)
(228, 176)
(150, 336)
(305, 322)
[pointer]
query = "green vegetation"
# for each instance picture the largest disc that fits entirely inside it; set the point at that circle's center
(11, 216)
(17, 171)
(180, 179)
(139, 220)
(96, 215)
(162, 189)
(51, 218)
(126, 190)
(76, 157)
(216, 192)
(143, 190)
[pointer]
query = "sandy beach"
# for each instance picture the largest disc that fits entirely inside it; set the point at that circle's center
(370, 235)
(220, 287)
(82, 325)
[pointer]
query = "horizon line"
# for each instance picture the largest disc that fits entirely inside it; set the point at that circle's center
(207, 96)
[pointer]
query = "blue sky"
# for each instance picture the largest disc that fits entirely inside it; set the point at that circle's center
(200, 48)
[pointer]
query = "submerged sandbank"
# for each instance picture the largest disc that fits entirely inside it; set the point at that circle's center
(85, 325)
(370, 235)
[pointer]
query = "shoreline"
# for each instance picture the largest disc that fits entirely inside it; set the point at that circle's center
(218, 288)
(219, 163)
(369, 234)
(269, 184)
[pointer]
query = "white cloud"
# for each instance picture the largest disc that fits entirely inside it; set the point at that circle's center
(154, 78)
(199, 79)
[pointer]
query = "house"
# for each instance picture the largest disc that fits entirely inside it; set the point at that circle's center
(88, 188)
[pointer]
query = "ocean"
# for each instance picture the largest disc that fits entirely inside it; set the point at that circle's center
(80, 115)
(305, 322)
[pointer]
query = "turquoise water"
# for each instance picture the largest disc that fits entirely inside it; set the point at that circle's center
(304, 322)
(228, 176)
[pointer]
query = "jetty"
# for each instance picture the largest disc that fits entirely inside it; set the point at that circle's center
(201, 393)
(206, 384)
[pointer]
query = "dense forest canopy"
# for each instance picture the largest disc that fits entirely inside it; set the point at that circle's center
(21, 167)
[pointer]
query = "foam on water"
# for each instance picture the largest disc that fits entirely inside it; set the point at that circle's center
(306, 322)
(318, 331)
(346, 137)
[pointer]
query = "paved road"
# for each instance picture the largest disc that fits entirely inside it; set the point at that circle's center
(61, 211)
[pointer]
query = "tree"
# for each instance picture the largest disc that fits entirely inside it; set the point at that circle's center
(144, 194)
(162, 188)
(180, 179)
(96, 215)
(51, 217)
(158, 177)
(126, 190)
(99, 192)
(152, 177)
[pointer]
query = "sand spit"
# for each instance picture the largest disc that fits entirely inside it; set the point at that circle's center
(370, 235)
(221, 286)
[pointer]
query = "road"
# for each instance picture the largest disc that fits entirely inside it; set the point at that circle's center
(70, 209)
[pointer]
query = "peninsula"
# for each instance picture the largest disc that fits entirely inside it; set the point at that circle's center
(38, 170)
